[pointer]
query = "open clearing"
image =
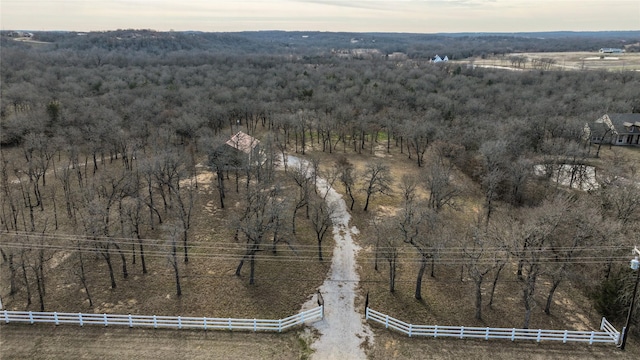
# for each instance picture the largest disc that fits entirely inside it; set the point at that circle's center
(568, 61)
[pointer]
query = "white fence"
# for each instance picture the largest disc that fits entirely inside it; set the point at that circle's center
(608, 335)
(153, 321)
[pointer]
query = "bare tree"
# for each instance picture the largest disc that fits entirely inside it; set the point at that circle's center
(538, 229)
(438, 181)
(583, 224)
(135, 219)
(347, 175)
(79, 269)
(387, 247)
(257, 222)
(219, 160)
(417, 224)
(301, 174)
(377, 180)
(173, 235)
(501, 233)
(482, 259)
(184, 197)
(322, 220)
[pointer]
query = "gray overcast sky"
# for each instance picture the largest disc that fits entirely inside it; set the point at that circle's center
(420, 16)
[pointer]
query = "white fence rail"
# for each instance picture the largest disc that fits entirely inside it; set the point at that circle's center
(153, 321)
(608, 335)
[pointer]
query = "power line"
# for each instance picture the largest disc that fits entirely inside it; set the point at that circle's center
(236, 245)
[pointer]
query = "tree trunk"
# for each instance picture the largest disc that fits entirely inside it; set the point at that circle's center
(554, 287)
(83, 278)
(12, 275)
(366, 204)
(392, 275)
(495, 283)
(239, 268)
(320, 248)
(184, 242)
(40, 287)
(478, 282)
(26, 279)
(519, 272)
(144, 264)
(252, 269)
(433, 268)
(125, 273)
(528, 292)
(423, 267)
(174, 262)
(353, 200)
(221, 188)
(527, 316)
(107, 258)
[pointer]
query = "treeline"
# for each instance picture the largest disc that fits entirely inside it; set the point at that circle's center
(417, 46)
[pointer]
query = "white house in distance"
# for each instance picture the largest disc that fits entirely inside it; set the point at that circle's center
(616, 129)
(438, 59)
(611, 51)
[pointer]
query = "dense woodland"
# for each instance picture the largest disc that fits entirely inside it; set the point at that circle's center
(102, 135)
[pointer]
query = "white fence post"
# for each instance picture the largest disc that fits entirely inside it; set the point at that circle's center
(55, 318)
(255, 325)
(204, 322)
(410, 326)
(179, 323)
(486, 336)
(539, 332)
(386, 321)
(230, 327)
(280, 325)
(30, 317)
(105, 319)
(155, 322)
(461, 332)
(130, 321)
(6, 317)
(435, 331)
(564, 338)
(513, 334)
(366, 314)
(80, 319)
(591, 338)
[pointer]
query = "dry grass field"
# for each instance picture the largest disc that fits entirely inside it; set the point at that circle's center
(568, 61)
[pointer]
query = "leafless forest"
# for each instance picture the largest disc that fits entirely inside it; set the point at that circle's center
(107, 137)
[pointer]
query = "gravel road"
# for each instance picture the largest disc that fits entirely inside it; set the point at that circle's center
(343, 329)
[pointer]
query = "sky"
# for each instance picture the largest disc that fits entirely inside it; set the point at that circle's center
(415, 16)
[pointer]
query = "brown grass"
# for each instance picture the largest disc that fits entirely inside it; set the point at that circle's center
(283, 281)
(571, 60)
(211, 289)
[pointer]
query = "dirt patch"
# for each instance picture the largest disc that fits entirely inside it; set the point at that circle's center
(396, 346)
(89, 342)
